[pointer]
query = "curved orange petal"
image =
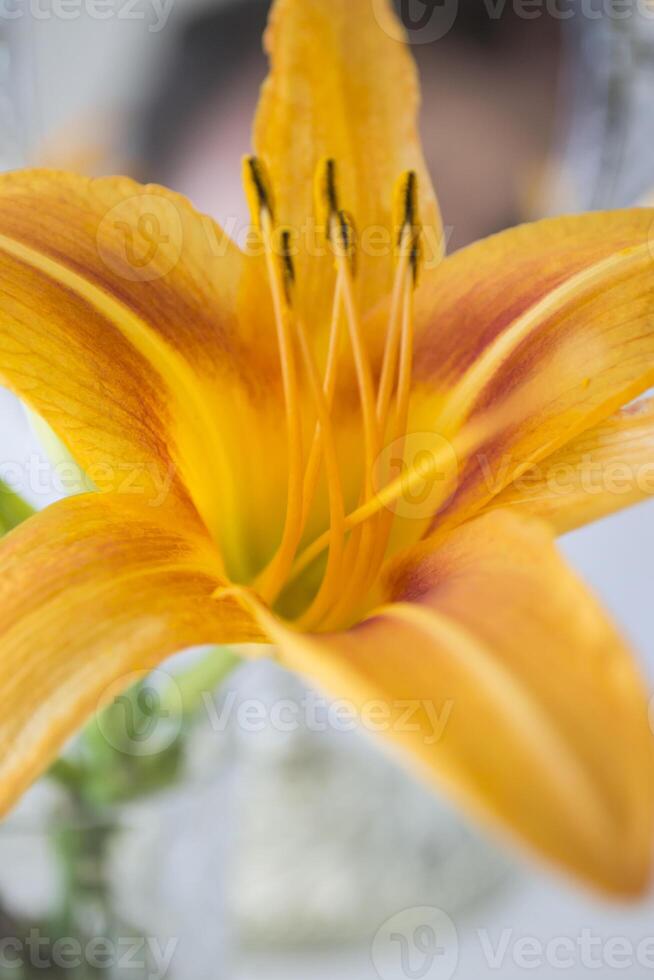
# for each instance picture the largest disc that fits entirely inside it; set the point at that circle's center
(342, 84)
(606, 469)
(92, 589)
(498, 674)
(137, 330)
(553, 320)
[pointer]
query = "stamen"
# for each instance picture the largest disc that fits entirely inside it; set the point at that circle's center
(323, 438)
(329, 387)
(398, 435)
(391, 348)
(342, 234)
(326, 204)
(415, 258)
(399, 335)
(361, 544)
(271, 579)
(334, 486)
(257, 190)
(406, 363)
(462, 446)
(322, 398)
(370, 552)
(326, 194)
(385, 498)
(369, 525)
(288, 268)
(405, 203)
(326, 437)
(407, 229)
(344, 242)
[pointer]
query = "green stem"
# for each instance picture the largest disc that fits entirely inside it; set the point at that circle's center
(69, 775)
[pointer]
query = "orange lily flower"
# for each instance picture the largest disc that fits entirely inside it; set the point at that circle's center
(323, 446)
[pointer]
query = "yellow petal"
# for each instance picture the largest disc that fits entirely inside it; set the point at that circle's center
(92, 589)
(501, 678)
(608, 468)
(555, 320)
(127, 322)
(342, 84)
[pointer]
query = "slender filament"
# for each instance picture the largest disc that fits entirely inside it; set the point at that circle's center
(271, 580)
(357, 542)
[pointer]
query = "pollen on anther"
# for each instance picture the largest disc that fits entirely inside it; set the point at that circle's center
(405, 204)
(326, 194)
(257, 189)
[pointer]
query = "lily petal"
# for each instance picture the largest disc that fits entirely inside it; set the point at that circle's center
(503, 680)
(608, 468)
(123, 322)
(92, 589)
(555, 320)
(343, 85)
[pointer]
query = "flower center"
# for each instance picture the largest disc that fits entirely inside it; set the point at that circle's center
(356, 542)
